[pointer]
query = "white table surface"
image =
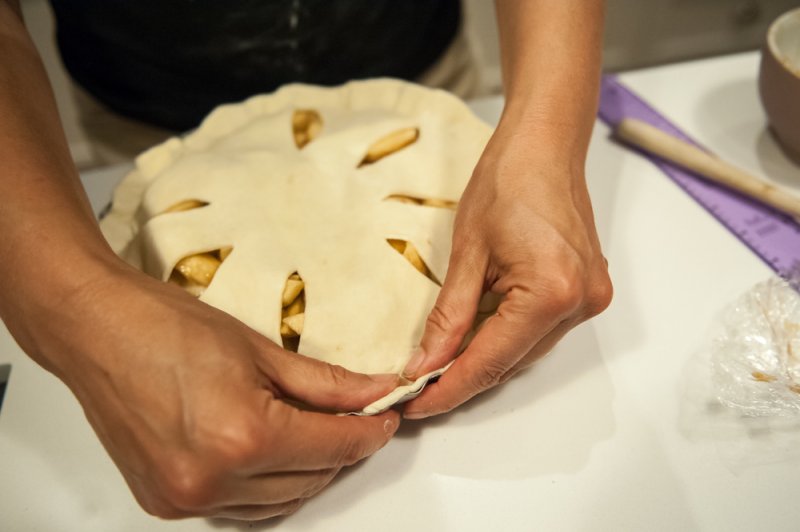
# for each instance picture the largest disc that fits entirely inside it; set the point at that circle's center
(613, 431)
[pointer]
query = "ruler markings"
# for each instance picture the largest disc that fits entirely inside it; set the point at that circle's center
(770, 234)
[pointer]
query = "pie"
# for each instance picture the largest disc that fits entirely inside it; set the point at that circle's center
(320, 217)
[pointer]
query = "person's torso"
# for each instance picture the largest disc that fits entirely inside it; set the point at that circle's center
(169, 62)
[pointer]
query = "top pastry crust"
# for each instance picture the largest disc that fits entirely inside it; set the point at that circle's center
(302, 181)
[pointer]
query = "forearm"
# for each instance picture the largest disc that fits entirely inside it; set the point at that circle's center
(49, 239)
(551, 57)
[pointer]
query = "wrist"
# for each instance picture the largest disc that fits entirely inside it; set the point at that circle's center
(555, 140)
(518, 152)
(49, 293)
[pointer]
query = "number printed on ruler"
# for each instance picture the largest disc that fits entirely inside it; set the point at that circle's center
(761, 225)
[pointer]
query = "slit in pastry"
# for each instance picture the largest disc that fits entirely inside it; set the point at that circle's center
(410, 253)
(293, 307)
(195, 272)
(391, 143)
(425, 202)
(306, 126)
(185, 205)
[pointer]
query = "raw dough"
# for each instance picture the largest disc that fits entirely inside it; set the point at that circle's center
(315, 210)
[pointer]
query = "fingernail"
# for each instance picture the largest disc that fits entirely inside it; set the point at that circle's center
(415, 415)
(417, 357)
(389, 427)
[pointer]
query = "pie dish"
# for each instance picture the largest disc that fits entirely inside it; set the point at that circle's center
(320, 217)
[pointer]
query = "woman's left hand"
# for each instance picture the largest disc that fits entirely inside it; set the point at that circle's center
(524, 229)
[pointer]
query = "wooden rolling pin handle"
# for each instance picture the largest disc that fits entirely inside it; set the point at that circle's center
(690, 157)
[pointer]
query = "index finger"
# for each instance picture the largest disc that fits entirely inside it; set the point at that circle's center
(503, 340)
(307, 441)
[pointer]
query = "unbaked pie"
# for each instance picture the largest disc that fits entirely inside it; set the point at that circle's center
(320, 217)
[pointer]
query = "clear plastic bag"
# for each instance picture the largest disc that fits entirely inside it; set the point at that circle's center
(755, 359)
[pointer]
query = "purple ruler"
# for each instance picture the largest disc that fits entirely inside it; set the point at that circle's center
(772, 235)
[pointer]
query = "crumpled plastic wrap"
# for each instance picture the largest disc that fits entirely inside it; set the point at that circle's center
(755, 360)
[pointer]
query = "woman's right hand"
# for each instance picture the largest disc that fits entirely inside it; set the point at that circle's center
(189, 402)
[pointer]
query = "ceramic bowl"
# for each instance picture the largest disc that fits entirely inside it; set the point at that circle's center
(779, 81)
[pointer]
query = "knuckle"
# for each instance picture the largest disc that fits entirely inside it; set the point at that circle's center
(169, 512)
(565, 294)
(350, 452)
(337, 375)
(488, 375)
(445, 319)
(186, 487)
(164, 511)
(158, 507)
(240, 439)
(600, 295)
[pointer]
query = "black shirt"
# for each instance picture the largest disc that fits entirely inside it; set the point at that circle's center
(169, 62)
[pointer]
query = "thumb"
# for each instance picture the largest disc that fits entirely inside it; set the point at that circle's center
(324, 385)
(452, 315)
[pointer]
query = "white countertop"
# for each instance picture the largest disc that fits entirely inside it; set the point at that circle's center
(610, 432)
